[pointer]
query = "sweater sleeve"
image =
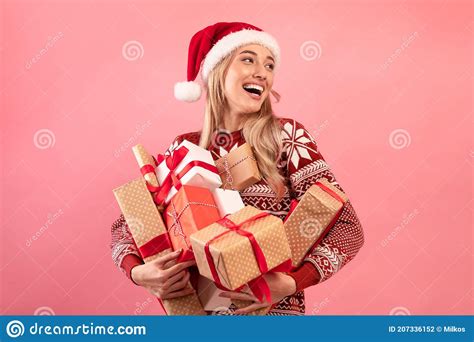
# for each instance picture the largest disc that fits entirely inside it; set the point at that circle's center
(305, 165)
(125, 253)
(124, 250)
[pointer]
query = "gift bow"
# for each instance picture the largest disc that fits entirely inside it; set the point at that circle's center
(258, 285)
(172, 179)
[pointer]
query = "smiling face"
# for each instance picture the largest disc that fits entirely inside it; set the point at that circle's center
(249, 79)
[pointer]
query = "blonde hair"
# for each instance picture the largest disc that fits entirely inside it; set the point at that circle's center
(261, 129)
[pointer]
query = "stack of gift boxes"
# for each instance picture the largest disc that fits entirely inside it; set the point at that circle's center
(188, 201)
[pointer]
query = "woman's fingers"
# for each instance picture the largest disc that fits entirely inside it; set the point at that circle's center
(179, 267)
(250, 308)
(179, 293)
(173, 279)
(161, 261)
(180, 284)
(239, 295)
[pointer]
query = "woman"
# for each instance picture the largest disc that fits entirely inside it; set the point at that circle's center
(237, 63)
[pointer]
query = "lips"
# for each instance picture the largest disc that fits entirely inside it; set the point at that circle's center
(254, 88)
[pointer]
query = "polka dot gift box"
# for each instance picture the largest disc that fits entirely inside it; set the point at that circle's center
(312, 218)
(150, 236)
(231, 258)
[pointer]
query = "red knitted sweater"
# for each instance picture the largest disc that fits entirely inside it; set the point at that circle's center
(302, 165)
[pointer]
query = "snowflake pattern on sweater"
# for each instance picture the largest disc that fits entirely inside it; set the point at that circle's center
(302, 165)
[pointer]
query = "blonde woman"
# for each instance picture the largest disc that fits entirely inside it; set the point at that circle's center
(238, 63)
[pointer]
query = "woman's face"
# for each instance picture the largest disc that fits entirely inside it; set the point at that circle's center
(249, 79)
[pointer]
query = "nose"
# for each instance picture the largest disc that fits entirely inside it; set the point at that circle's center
(260, 72)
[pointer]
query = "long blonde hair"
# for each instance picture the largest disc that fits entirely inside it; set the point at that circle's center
(261, 129)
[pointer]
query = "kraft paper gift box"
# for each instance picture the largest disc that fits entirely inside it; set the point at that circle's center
(190, 165)
(191, 209)
(238, 169)
(209, 295)
(312, 218)
(227, 201)
(144, 159)
(231, 259)
(150, 235)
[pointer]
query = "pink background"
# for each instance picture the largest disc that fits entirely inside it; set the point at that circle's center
(385, 88)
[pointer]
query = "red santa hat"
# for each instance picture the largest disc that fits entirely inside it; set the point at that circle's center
(212, 44)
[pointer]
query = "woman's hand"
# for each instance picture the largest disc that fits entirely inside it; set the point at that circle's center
(163, 277)
(280, 284)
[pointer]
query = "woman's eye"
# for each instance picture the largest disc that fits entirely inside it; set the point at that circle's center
(272, 66)
(247, 59)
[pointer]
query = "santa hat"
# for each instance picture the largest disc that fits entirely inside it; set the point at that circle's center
(211, 45)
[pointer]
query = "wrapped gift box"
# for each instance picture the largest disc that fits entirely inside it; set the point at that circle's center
(191, 209)
(238, 169)
(209, 295)
(312, 218)
(143, 159)
(150, 235)
(227, 201)
(231, 259)
(189, 164)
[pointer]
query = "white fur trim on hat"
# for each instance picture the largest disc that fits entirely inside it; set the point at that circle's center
(187, 91)
(235, 40)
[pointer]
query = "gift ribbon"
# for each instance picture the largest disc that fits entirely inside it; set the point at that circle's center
(156, 245)
(177, 228)
(227, 168)
(293, 205)
(258, 285)
(173, 179)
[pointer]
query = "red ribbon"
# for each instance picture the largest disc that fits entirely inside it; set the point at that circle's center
(258, 285)
(293, 205)
(146, 169)
(156, 245)
(173, 179)
(330, 192)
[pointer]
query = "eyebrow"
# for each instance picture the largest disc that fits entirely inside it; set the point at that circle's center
(253, 53)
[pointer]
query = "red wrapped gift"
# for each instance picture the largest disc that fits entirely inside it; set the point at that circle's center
(191, 209)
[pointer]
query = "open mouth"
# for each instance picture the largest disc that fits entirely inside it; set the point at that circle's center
(253, 89)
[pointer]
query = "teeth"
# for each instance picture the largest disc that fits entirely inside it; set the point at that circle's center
(254, 86)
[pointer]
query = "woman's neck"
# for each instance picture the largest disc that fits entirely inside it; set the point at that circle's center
(233, 121)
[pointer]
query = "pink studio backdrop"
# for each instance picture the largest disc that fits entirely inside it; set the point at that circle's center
(385, 88)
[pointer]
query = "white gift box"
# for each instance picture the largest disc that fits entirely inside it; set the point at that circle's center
(227, 201)
(209, 295)
(197, 175)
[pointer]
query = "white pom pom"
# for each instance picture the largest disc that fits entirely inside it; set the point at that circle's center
(187, 91)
